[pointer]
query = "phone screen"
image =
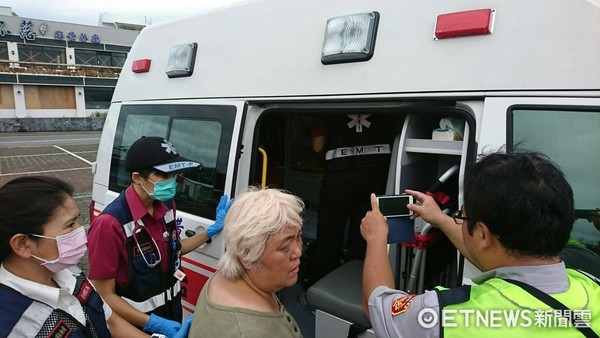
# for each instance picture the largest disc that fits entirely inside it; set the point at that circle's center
(395, 206)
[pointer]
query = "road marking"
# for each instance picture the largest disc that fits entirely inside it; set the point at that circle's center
(76, 156)
(45, 140)
(51, 154)
(44, 171)
(42, 143)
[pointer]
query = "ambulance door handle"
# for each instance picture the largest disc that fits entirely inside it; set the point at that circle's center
(191, 233)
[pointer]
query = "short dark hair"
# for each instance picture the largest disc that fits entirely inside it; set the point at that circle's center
(27, 204)
(524, 199)
(145, 173)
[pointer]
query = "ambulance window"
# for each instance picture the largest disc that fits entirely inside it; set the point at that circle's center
(201, 133)
(570, 138)
(134, 126)
(198, 140)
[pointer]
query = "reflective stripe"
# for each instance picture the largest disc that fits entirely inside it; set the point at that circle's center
(169, 216)
(589, 275)
(373, 149)
(29, 325)
(129, 228)
(155, 301)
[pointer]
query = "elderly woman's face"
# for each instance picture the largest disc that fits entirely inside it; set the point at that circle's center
(279, 266)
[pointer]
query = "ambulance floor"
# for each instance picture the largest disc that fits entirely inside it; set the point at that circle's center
(291, 298)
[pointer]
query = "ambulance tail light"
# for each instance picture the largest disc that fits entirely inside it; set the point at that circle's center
(350, 38)
(141, 66)
(468, 23)
(181, 60)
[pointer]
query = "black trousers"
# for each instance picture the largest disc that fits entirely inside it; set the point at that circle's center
(344, 200)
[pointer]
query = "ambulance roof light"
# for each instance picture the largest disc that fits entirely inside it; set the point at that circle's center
(350, 38)
(467, 23)
(141, 66)
(181, 60)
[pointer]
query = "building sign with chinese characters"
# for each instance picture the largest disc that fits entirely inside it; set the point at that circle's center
(26, 32)
(43, 28)
(3, 30)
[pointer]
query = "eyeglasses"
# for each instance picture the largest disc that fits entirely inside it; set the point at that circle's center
(155, 262)
(458, 216)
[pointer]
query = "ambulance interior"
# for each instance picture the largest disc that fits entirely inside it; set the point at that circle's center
(427, 258)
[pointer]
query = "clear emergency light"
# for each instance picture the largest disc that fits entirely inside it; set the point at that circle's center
(350, 38)
(181, 60)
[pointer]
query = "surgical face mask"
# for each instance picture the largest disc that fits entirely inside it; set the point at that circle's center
(71, 248)
(163, 190)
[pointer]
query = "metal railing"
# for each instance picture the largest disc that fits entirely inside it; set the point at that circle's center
(46, 68)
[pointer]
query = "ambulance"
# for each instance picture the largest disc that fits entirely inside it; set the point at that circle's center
(238, 88)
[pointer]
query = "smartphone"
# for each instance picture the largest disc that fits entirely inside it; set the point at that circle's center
(395, 205)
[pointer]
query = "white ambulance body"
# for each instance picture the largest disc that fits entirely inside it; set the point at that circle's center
(529, 75)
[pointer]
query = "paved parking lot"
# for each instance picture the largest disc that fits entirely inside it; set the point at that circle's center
(70, 162)
(65, 162)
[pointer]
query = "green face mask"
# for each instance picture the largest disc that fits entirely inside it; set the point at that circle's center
(163, 190)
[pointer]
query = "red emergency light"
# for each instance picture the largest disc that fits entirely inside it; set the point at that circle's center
(468, 23)
(141, 66)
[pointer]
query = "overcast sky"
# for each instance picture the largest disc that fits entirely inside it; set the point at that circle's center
(87, 12)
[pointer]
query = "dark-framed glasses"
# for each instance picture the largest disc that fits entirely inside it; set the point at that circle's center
(459, 217)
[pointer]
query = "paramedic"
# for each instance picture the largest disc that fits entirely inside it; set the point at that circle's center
(135, 245)
(40, 238)
(263, 236)
(357, 155)
(517, 216)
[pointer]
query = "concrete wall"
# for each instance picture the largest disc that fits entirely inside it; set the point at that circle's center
(52, 124)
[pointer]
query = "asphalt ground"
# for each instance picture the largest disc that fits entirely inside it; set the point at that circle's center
(70, 162)
(56, 162)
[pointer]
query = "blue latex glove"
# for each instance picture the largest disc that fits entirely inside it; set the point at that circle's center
(185, 329)
(161, 325)
(220, 219)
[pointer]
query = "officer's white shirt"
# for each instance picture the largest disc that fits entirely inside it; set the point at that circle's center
(550, 278)
(58, 298)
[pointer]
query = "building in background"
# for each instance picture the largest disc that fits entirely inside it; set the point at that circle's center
(119, 21)
(58, 75)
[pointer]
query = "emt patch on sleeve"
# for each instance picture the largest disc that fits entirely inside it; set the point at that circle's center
(402, 304)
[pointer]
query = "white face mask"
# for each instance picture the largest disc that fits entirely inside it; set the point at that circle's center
(71, 248)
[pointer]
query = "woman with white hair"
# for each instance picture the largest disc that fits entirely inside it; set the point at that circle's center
(263, 242)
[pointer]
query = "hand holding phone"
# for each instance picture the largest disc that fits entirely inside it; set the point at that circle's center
(395, 205)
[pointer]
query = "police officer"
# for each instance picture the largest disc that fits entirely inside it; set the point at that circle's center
(135, 246)
(40, 237)
(357, 150)
(517, 217)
